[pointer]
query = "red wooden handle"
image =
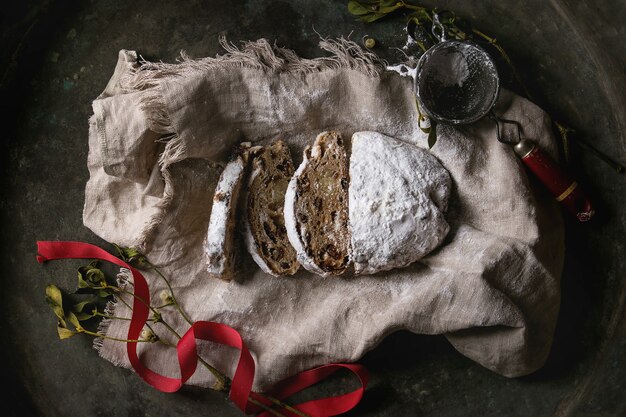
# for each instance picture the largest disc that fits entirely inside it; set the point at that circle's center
(563, 187)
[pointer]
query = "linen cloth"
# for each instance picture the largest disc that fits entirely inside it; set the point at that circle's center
(160, 135)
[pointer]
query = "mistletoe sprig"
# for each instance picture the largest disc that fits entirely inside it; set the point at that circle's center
(76, 315)
(73, 315)
(420, 28)
(420, 25)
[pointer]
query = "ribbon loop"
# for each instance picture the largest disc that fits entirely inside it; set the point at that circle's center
(242, 381)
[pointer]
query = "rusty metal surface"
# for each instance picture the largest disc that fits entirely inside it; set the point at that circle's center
(57, 57)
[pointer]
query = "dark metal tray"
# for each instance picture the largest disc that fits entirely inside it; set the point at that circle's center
(57, 57)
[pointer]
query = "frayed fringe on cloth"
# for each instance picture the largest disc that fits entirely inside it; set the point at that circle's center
(260, 54)
(124, 279)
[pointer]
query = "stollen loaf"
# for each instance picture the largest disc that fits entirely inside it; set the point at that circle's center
(386, 211)
(220, 244)
(264, 225)
(316, 207)
(398, 199)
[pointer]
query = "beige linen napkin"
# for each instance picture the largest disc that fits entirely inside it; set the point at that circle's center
(161, 133)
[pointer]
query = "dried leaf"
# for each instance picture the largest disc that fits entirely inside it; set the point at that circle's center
(81, 282)
(133, 257)
(71, 317)
(370, 11)
(419, 28)
(54, 298)
(83, 316)
(80, 307)
(95, 275)
(65, 333)
(105, 293)
(358, 9)
(84, 310)
(389, 9)
(90, 276)
(432, 135)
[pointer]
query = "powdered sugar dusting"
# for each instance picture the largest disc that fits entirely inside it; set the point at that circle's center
(217, 250)
(397, 198)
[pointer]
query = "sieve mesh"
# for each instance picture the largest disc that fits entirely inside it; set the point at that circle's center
(457, 82)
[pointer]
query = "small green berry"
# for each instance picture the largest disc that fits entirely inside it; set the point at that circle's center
(166, 296)
(148, 336)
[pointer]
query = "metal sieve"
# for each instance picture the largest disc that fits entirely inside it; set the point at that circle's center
(456, 82)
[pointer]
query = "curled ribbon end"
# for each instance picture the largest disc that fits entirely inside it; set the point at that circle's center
(40, 248)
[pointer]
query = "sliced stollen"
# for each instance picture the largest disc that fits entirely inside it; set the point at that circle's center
(398, 197)
(220, 244)
(264, 224)
(316, 207)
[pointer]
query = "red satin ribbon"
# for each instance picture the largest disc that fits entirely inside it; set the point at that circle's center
(241, 386)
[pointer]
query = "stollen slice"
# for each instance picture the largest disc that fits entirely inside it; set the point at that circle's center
(220, 245)
(264, 225)
(398, 199)
(316, 207)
